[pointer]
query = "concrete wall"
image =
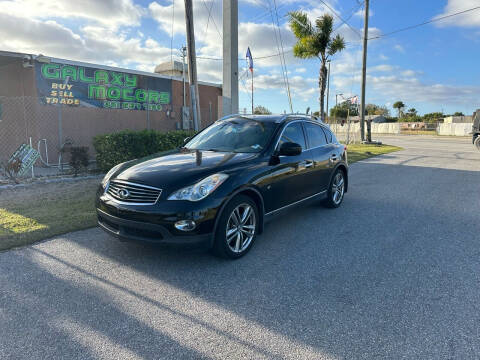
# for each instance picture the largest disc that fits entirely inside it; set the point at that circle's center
(385, 128)
(455, 129)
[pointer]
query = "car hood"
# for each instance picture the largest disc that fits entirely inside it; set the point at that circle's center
(179, 168)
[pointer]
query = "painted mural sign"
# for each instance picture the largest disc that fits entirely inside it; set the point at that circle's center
(71, 85)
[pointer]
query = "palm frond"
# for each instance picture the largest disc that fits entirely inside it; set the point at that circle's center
(324, 24)
(300, 25)
(304, 49)
(336, 44)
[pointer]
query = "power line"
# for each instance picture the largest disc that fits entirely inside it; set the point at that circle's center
(261, 57)
(266, 13)
(208, 19)
(344, 21)
(283, 55)
(423, 23)
(213, 20)
(279, 52)
(352, 12)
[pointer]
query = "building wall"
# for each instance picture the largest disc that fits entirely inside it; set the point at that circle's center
(24, 117)
(458, 119)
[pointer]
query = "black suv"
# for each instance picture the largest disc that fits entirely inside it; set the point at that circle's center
(225, 182)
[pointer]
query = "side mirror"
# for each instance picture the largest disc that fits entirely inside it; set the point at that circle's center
(290, 149)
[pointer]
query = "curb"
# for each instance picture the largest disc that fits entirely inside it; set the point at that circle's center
(49, 181)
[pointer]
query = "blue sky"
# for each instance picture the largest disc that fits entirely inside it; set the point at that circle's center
(430, 68)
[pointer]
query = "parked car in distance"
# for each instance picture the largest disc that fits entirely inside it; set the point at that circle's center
(224, 183)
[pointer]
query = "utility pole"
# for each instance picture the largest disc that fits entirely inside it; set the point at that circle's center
(230, 57)
(185, 113)
(192, 65)
(364, 78)
(328, 89)
(184, 55)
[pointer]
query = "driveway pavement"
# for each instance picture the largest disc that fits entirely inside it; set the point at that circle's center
(394, 273)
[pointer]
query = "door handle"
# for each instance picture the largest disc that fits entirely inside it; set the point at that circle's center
(308, 164)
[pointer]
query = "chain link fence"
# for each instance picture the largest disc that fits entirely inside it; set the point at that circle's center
(49, 128)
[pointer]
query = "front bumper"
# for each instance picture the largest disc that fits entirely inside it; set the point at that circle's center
(130, 230)
(156, 223)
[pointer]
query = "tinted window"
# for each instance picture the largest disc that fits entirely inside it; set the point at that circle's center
(315, 134)
(330, 136)
(235, 135)
(293, 133)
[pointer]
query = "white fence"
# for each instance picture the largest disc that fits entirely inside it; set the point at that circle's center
(384, 128)
(455, 129)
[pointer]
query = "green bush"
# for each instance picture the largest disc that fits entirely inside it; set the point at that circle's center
(78, 158)
(125, 145)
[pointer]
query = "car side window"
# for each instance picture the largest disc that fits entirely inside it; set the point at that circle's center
(293, 133)
(316, 136)
(330, 136)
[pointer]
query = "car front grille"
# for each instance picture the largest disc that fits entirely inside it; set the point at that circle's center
(132, 193)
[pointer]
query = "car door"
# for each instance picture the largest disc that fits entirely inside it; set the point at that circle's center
(322, 152)
(288, 174)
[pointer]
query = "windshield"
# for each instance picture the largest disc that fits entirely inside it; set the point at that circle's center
(235, 135)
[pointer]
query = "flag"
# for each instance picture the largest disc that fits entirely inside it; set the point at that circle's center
(250, 59)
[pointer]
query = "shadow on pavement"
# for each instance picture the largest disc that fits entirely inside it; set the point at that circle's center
(392, 273)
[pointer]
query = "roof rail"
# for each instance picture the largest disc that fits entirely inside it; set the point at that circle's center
(286, 116)
(229, 117)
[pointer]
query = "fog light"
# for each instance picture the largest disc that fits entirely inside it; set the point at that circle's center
(185, 225)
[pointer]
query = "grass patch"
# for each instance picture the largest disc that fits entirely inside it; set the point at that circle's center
(357, 152)
(45, 210)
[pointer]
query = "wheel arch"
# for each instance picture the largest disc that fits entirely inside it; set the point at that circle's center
(251, 192)
(344, 168)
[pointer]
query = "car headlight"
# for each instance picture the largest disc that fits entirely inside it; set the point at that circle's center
(200, 190)
(109, 174)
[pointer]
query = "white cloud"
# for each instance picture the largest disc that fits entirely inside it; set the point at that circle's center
(361, 13)
(469, 19)
(299, 86)
(91, 44)
(408, 73)
(399, 48)
(301, 70)
(109, 13)
(383, 57)
(381, 68)
(412, 89)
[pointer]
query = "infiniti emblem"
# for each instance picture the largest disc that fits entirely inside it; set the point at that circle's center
(123, 194)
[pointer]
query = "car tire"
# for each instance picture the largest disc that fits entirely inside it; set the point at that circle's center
(237, 228)
(336, 190)
(477, 142)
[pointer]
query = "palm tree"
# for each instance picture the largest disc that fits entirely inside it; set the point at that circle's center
(315, 41)
(399, 105)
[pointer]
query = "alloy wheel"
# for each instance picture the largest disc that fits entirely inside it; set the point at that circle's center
(241, 226)
(338, 188)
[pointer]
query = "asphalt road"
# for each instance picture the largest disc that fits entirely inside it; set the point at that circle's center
(394, 273)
